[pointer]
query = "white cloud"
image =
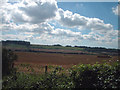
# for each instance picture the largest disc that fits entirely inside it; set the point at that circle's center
(40, 11)
(67, 33)
(116, 10)
(30, 11)
(20, 27)
(92, 37)
(16, 37)
(97, 24)
(67, 18)
(30, 19)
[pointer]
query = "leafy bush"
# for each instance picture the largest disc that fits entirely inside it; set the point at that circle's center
(23, 80)
(20, 80)
(8, 58)
(96, 76)
(86, 77)
(102, 76)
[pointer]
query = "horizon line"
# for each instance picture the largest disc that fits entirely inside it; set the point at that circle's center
(62, 45)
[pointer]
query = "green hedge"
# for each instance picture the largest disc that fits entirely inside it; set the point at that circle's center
(96, 76)
(80, 76)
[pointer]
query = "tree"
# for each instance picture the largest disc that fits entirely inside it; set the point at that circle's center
(8, 58)
(68, 46)
(57, 45)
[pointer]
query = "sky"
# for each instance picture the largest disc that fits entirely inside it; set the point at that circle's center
(49, 22)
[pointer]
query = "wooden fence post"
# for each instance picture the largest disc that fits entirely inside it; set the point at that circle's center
(45, 69)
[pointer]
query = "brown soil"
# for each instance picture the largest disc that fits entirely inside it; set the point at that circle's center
(38, 60)
(59, 59)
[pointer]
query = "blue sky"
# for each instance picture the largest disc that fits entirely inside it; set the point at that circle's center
(49, 22)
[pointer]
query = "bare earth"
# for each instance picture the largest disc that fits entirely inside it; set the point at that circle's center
(38, 61)
(59, 59)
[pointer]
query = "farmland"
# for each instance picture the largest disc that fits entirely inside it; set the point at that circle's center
(39, 60)
(59, 55)
(39, 56)
(60, 59)
(67, 67)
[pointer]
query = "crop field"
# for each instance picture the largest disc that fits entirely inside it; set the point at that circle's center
(38, 60)
(61, 68)
(36, 57)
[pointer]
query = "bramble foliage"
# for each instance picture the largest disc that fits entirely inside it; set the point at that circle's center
(8, 57)
(23, 80)
(80, 76)
(96, 76)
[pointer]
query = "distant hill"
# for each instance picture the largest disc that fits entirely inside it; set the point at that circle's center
(26, 46)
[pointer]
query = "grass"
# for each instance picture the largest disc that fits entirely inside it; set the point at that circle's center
(55, 47)
(39, 69)
(16, 46)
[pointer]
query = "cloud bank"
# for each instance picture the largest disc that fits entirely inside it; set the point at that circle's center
(31, 20)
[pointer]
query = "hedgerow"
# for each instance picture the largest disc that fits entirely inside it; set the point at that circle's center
(80, 76)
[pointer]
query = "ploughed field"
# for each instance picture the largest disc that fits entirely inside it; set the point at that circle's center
(60, 59)
(38, 60)
(38, 56)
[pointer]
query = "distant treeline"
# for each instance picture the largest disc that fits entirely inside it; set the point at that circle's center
(93, 49)
(98, 49)
(15, 42)
(86, 48)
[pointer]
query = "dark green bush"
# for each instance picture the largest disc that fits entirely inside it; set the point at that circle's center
(96, 76)
(103, 76)
(54, 80)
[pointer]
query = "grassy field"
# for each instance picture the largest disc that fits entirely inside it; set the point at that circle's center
(59, 48)
(55, 47)
(16, 46)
